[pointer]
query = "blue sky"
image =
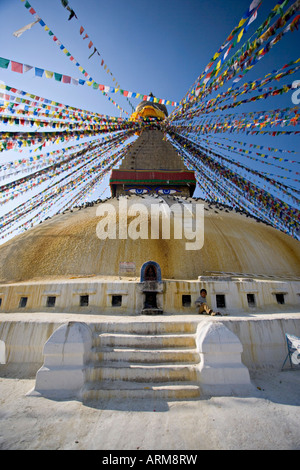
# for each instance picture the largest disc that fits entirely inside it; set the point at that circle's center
(160, 46)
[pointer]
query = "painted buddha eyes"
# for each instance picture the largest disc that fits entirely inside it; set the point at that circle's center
(139, 191)
(165, 191)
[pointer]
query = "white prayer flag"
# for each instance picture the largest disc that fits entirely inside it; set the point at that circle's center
(20, 31)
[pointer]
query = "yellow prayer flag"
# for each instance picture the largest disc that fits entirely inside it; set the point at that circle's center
(240, 35)
(243, 20)
(218, 64)
(48, 74)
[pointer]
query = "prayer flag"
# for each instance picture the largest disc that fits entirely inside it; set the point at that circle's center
(227, 52)
(4, 63)
(72, 13)
(254, 4)
(240, 35)
(48, 74)
(66, 79)
(58, 77)
(39, 72)
(253, 17)
(16, 67)
(93, 52)
(20, 31)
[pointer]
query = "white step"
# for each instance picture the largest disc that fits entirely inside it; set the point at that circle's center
(117, 390)
(145, 341)
(146, 328)
(143, 360)
(182, 355)
(141, 372)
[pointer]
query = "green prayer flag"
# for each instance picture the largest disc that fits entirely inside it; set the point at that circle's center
(27, 5)
(58, 76)
(4, 63)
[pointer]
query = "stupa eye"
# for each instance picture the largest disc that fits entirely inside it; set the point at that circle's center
(138, 191)
(166, 191)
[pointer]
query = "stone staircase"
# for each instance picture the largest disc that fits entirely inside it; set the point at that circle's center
(156, 359)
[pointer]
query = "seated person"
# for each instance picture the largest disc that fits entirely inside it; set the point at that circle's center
(204, 309)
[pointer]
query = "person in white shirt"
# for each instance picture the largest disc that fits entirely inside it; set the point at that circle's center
(204, 309)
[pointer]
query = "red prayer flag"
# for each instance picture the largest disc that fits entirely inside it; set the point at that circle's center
(66, 79)
(81, 29)
(90, 44)
(16, 67)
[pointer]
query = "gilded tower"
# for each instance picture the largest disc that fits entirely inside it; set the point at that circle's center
(152, 164)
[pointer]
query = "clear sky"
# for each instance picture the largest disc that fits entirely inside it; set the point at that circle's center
(160, 46)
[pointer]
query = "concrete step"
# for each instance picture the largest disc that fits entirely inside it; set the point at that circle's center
(140, 372)
(131, 355)
(143, 359)
(122, 390)
(146, 328)
(139, 341)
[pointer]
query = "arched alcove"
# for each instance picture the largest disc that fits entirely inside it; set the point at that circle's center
(150, 271)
